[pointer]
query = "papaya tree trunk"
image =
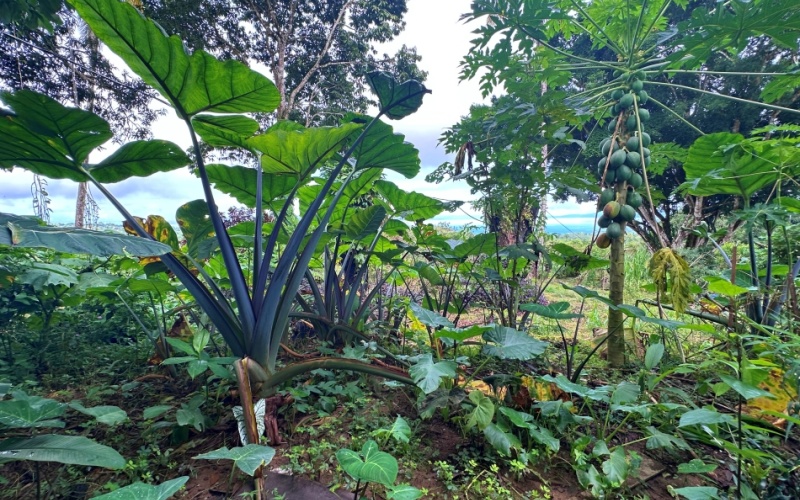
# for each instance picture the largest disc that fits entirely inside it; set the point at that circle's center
(616, 335)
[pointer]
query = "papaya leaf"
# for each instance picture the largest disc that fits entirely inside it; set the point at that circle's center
(139, 159)
(396, 100)
(74, 450)
(191, 83)
(142, 491)
(47, 138)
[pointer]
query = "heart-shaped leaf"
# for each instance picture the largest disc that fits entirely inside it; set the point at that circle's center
(512, 344)
(24, 411)
(191, 83)
(139, 159)
(428, 374)
(75, 450)
(247, 458)
(376, 467)
(142, 491)
(397, 100)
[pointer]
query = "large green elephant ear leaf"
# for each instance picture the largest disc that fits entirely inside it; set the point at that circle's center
(48, 138)
(194, 220)
(26, 232)
(382, 148)
(191, 83)
(140, 159)
(75, 450)
(240, 182)
(397, 100)
(411, 206)
(298, 152)
(225, 131)
(723, 163)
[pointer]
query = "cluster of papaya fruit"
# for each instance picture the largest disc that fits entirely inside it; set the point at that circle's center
(624, 153)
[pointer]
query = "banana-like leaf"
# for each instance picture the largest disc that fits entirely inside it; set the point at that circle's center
(195, 223)
(397, 100)
(139, 159)
(240, 182)
(411, 206)
(382, 148)
(191, 83)
(225, 131)
(48, 138)
(26, 232)
(299, 152)
(75, 450)
(142, 491)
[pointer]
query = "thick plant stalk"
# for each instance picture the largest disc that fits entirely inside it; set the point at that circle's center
(249, 414)
(616, 333)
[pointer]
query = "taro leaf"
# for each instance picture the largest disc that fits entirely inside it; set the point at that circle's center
(704, 416)
(247, 458)
(429, 273)
(365, 222)
(149, 285)
(191, 83)
(698, 492)
(658, 439)
(74, 450)
(440, 398)
(108, 415)
(545, 437)
(153, 412)
(382, 148)
(299, 152)
(396, 100)
(696, 466)
(501, 440)
(563, 383)
(555, 310)
(479, 244)
(40, 275)
(429, 318)
(745, 390)
(653, 356)
(427, 374)
(24, 412)
(139, 159)
(717, 165)
(462, 334)
(376, 467)
(482, 414)
(399, 431)
(518, 418)
(194, 220)
(225, 131)
(723, 286)
(624, 393)
(590, 294)
(142, 491)
(412, 206)
(240, 182)
(404, 492)
(512, 344)
(26, 232)
(48, 138)
(616, 468)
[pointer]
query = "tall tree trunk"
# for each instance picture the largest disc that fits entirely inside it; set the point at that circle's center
(80, 205)
(616, 333)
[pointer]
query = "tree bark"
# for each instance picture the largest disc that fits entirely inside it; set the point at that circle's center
(616, 335)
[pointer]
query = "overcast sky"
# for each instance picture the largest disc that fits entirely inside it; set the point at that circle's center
(441, 40)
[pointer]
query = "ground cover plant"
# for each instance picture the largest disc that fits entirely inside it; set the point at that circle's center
(329, 339)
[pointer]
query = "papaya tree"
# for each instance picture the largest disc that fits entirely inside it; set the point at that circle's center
(640, 48)
(210, 97)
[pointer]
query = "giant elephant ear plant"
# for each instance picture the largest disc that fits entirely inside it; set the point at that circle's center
(49, 139)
